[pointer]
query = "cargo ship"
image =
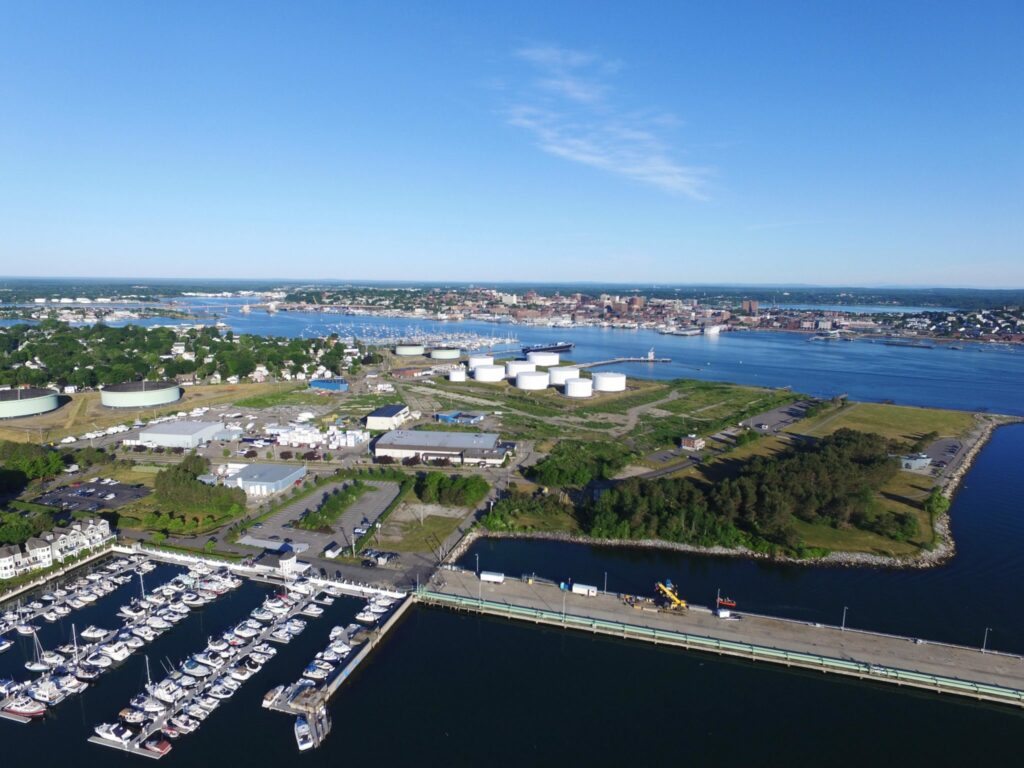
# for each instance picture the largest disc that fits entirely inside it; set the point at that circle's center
(561, 346)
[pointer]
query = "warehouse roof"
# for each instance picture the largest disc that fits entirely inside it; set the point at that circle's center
(267, 473)
(389, 410)
(457, 441)
(182, 428)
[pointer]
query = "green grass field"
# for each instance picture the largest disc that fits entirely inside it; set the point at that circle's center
(414, 536)
(893, 421)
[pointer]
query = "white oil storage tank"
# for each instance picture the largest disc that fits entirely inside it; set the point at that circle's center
(609, 381)
(545, 359)
(445, 353)
(490, 373)
(532, 380)
(409, 350)
(561, 375)
(459, 374)
(514, 367)
(579, 388)
(475, 360)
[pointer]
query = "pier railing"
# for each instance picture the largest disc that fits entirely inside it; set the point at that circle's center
(750, 652)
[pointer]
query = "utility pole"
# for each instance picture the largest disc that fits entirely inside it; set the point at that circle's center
(984, 642)
(478, 565)
(843, 627)
(606, 582)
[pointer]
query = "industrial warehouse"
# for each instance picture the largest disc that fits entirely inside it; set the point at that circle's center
(458, 447)
(256, 479)
(180, 434)
(388, 417)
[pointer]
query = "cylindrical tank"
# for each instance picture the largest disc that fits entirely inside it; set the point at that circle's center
(514, 367)
(445, 353)
(140, 394)
(27, 401)
(532, 380)
(561, 375)
(459, 374)
(409, 350)
(579, 388)
(489, 373)
(475, 360)
(546, 359)
(609, 381)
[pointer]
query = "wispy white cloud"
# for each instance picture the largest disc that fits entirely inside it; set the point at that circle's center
(568, 107)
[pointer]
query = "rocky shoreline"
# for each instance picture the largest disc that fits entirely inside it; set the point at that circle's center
(944, 550)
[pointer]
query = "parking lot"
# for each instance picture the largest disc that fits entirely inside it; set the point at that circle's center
(93, 496)
(362, 514)
(777, 419)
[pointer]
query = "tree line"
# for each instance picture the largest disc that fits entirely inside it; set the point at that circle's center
(833, 481)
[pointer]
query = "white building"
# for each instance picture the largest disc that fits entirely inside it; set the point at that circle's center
(53, 547)
(179, 434)
(388, 417)
(457, 447)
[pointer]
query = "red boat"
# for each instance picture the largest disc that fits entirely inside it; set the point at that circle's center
(726, 602)
(158, 745)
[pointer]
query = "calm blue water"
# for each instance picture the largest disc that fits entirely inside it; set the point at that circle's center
(976, 377)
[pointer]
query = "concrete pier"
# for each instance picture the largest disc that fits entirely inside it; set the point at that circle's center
(937, 667)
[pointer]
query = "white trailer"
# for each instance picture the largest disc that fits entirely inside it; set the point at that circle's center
(492, 577)
(584, 589)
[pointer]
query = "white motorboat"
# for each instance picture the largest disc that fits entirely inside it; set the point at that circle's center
(166, 691)
(245, 632)
(5, 643)
(272, 695)
(9, 687)
(25, 706)
(281, 636)
(148, 704)
(263, 615)
(221, 692)
(25, 629)
(193, 668)
(51, 616)
(266, 649)
(46, 691)
(313, 610)
(97, 659)
(303, 734)
(92, 632)
(367, 617)
(116, 651)
(144, 633)
(61, 610)
(115, 732)
(240, 673)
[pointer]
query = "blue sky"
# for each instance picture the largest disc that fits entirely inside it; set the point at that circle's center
(829, 143)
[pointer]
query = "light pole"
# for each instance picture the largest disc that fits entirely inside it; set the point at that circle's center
(478, 564)
(843, 627)
(606, 582)
(563, 606)
(984, 642)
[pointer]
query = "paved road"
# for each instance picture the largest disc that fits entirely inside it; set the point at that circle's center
(926, 658)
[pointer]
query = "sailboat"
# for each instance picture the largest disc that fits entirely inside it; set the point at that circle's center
(36, 664)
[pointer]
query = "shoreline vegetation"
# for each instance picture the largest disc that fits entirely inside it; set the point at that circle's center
(943, 550)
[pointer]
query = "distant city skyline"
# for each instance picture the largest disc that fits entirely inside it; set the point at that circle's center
(845, 145)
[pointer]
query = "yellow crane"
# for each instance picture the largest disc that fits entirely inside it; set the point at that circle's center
(668, 589)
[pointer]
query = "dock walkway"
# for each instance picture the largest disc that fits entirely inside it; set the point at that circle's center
(937, 667)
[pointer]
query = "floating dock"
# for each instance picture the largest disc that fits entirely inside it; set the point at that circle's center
(313, 700)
